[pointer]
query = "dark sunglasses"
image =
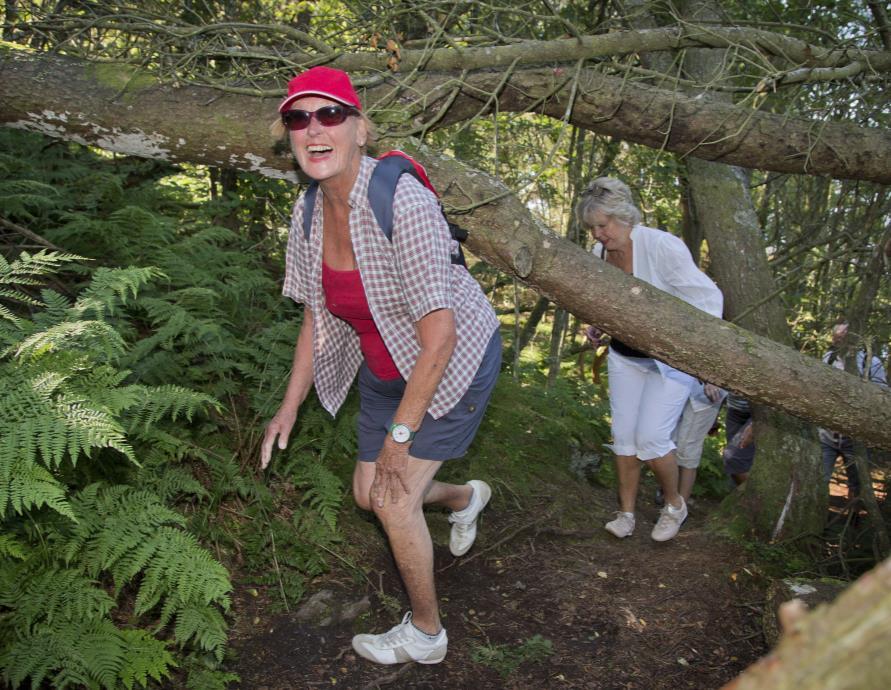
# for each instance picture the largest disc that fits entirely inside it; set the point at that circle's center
(328, 116)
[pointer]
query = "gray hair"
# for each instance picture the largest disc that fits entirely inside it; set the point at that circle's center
(610, 196)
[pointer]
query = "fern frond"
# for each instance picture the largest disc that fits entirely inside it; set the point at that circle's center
(24, 486)
(184, 571)
(110, 287)
(92, 336)
(56, 307)
(19, 197)
(168, 482)
(91, 654)
(147, 657)
(159, 402)
(323, 491)
(113, 523)
(205, 625)
(11, 548)
(35, 598)
(27, 267)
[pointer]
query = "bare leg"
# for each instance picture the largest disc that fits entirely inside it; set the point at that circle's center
(666, 471)
(455, 497)
(686, 479)
(409, 537)
(628, 471)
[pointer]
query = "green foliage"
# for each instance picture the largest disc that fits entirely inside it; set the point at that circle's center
(77, 556)
(506, 658)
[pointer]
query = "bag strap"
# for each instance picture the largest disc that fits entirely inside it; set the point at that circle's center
(381, 192)
(382, 189)
(309, 203)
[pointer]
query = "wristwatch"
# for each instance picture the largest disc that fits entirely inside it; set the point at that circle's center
(401, 433)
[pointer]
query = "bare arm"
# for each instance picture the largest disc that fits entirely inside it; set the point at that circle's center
(298, 388)
(436, 332)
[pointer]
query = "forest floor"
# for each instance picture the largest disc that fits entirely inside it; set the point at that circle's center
(545, 599)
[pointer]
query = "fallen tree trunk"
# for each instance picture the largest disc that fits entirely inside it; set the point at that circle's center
(126, 109)
(836, 647)
(102, 106)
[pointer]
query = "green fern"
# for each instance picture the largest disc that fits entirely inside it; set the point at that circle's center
(323, 491)
(91, 654)
(203, 625)
(111, 287)
(11, 547)
(36, 598)
(146, 658)
(24, 486)
(18, 198)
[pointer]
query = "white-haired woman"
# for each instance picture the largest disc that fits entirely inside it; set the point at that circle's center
(647, 396)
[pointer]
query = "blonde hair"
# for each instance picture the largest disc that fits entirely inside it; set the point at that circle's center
(610, 196)
(278, 130)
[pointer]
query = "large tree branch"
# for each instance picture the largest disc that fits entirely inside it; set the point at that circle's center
(94, 105)
(75, 98)
(568, 50)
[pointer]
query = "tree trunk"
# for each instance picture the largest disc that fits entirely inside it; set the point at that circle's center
(528, 330)
(843, 646)
(127, 109)
(784, 494)
(168, 123)
(561, 316)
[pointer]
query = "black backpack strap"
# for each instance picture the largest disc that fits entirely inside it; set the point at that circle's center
(309, 204)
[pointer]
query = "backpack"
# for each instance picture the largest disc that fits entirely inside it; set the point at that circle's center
(381, 190)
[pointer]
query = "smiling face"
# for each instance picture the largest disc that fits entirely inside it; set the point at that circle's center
(611, 232)
(329, 155)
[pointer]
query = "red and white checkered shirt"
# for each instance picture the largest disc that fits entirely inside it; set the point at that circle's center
(404, 280)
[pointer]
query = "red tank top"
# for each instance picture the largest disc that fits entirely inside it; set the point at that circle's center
(345, 298)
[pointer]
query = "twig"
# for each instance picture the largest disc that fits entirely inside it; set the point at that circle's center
(30, 234)
(501, 541)
(278, 572)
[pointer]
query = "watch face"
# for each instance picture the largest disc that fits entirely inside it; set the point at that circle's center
(401, 433)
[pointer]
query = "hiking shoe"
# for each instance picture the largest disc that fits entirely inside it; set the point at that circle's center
(622, 526)
(670, 521)
(464, 521)
(402, 643)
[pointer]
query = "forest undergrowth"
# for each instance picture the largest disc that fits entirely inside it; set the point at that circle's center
(144, 345)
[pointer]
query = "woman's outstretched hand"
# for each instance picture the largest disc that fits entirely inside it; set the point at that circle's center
(280, 427)
(390, 474)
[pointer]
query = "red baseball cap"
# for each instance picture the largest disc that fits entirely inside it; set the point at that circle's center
(322, 81)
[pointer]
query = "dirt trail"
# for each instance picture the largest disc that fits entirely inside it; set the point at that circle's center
(608, 613)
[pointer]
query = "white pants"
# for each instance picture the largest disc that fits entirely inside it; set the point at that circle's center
(691, 431)
(646, 399)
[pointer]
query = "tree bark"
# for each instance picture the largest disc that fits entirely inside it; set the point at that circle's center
(784, 494)
(842, 646)
(180, 124)
(128, 111)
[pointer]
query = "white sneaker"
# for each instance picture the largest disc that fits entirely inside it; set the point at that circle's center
(401, 644)
(464, 521)
(670, 521)
(622, 526)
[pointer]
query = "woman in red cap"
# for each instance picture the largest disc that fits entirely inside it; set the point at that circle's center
(417, 329)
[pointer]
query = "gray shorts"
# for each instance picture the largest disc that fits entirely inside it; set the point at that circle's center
(438, 439)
